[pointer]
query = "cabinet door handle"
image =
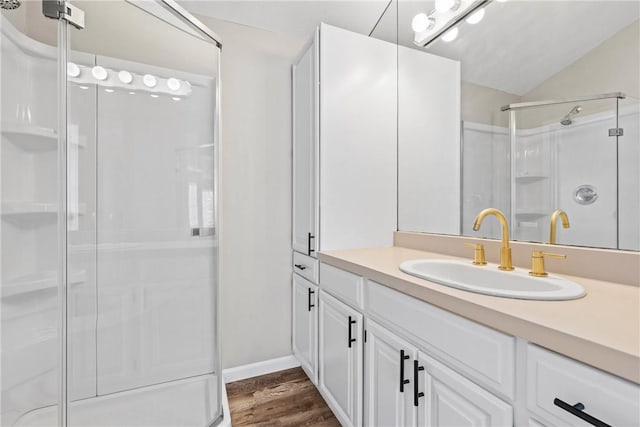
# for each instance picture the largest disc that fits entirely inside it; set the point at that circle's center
(351, 322)
(309, 305)
(403, 381)
(309, 249)
(578, 411)
(300, 266)
(416, 395)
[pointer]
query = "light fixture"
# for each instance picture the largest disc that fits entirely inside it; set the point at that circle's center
(173, 84)
(421, 22)
(73, 70)
(125, 77)
(476, 17)
(99, 73)
(446, 5)
(450, 35)
(149, 80)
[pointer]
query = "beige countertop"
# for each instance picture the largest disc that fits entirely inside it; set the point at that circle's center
(601, 329)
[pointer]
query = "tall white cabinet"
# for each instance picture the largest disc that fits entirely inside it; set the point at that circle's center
(344, 186)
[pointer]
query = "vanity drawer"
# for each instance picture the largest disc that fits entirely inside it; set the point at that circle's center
(480, 353)
(305, 266)
(342, 284)
(608, 398)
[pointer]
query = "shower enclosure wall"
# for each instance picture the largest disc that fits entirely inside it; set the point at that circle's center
(109, 217)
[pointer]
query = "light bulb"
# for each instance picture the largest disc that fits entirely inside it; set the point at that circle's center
(125, 77)
(421, 22)
(73, 70)
(444, 5)
(149, 80)
(99, 73)
(173, 84)
(450, 35)
(476, 17)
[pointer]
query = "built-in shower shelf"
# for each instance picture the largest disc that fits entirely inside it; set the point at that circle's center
(530, 215)
(21, 211)
(527, 179)
(30, 137)
(39, 281)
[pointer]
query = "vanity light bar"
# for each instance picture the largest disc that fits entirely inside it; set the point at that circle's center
(132, 82)
(447, 20)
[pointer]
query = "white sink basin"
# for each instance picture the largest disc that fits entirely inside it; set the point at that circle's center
(491, 281)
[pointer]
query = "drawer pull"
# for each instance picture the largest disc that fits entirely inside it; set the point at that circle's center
(403, 381)
(309, 248)
(416, 394)
(578, 411)
(309, 305)
(351, 340)
(300, 266)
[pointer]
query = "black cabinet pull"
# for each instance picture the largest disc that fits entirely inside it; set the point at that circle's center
(309, 305)
(416, 395)
(403, 381)
(300, 266)
(578, 411)
(309, 249)
(351, 322)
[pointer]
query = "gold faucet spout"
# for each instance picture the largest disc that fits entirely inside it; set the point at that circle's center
(505, 250)
(554, 219)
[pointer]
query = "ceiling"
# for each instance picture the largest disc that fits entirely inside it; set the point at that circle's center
(518, 45)
(297, 18)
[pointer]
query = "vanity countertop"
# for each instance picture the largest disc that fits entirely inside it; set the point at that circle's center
(601, 329)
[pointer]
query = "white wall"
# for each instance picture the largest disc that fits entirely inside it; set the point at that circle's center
(255, 192)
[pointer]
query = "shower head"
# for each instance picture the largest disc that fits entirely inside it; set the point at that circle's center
(9, 4)
(566, 120)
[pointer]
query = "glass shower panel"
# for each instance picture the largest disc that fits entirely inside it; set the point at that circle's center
(142, 336)
(629, 174)
(29, 231)
(565, 159)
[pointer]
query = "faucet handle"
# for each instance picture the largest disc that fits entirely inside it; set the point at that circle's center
(537, 262)
(478, 253)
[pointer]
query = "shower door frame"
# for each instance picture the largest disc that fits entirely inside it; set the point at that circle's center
(63, 51)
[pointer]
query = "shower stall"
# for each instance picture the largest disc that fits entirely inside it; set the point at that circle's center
(109, 226)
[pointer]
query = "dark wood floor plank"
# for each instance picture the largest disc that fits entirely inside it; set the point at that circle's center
(285, 398)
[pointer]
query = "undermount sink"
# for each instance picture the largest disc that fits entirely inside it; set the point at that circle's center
(491, 281)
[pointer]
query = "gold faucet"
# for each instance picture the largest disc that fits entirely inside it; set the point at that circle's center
(554, 219)
(505, 250)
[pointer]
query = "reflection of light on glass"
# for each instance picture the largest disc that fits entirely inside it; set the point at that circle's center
(132, 93)
(109, 90)
(153, 95)
(176, 98)
(99, 73)
(84, 87)
(193, 205)
(73, 180)
(73, 70)
(207, 208)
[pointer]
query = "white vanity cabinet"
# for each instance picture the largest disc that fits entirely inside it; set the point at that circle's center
(340, 359)
(305, 325)
(344, 142)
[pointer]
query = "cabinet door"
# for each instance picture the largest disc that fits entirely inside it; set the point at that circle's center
(305, 147)
(452, 400)
(388, 379)
(340, 359)
(305, 325)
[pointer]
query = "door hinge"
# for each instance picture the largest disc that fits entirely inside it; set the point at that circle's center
(62, 9)
(616, 132)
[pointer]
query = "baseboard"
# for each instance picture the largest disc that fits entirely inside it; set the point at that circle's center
(259, 368)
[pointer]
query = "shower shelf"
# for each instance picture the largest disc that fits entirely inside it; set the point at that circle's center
(527, 179)
(19, 211)
(39, 281)
(30, 137)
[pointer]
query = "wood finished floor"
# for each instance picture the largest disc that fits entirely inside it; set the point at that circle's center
(285, 398)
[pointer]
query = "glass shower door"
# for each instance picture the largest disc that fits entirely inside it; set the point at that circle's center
(142, 335)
